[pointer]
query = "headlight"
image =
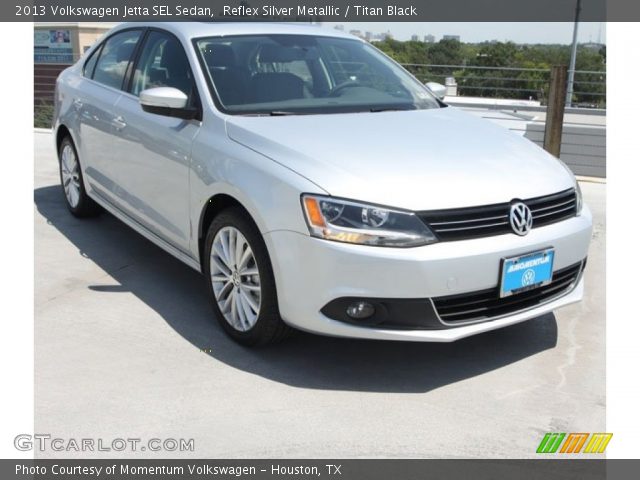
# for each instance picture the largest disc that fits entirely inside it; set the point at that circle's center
(353, 222)
(578, 199)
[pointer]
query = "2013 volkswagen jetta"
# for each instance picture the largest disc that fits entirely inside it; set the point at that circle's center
(316, 184)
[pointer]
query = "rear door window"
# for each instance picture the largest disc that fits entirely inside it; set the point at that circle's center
(114, 59)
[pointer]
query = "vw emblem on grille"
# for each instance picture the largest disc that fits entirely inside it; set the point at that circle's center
(528, 277)
(520, 218)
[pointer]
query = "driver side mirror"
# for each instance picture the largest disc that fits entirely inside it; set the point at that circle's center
(167, 101)
(437, 89)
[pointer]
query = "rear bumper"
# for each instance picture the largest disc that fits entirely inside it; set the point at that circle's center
(310, 273)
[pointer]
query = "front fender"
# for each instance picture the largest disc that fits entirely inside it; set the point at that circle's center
(269, 191)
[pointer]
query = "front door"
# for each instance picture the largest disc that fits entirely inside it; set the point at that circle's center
(156, 150)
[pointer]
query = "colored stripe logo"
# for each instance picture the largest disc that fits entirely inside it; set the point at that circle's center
(574, 443)
(598, 443)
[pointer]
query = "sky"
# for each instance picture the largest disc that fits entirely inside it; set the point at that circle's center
(519, 32)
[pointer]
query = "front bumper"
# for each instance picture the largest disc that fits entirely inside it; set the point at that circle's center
(311, 272)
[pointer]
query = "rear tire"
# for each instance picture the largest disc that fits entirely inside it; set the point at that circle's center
(240, 280)
(77, 200)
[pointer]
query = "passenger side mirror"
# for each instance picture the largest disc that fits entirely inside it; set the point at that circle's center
(167, 101)
(437, 89)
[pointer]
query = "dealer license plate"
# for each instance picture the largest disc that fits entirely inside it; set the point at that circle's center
(526, 272)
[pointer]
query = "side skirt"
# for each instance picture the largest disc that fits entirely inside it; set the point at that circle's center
(167, 247)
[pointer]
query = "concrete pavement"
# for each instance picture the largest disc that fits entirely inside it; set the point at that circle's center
(126, 347)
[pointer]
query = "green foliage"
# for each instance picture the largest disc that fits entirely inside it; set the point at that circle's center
(42, 115)
(404, 52)
(446, 52)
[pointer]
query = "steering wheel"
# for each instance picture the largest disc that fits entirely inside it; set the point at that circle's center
(348, 84)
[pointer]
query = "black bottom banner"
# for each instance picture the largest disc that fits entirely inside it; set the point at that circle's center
(583, 469)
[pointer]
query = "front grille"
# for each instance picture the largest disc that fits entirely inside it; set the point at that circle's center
(489, 220)
(487, 304)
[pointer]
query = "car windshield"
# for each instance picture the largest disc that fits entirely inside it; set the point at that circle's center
(306, 74)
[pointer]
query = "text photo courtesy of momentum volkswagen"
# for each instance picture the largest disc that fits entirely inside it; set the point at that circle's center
(316, 184)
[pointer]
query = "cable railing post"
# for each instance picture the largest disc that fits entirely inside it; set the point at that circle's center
(555, 110)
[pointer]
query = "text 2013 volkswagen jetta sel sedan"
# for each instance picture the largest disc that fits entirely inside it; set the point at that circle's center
(316, 184)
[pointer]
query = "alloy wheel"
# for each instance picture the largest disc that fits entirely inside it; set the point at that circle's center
(70, 169)
(235, 278)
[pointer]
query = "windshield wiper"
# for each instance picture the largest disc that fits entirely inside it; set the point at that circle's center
(388, 109)
(274, 113)
(282, 113)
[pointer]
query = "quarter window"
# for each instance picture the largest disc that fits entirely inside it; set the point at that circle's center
(115, 57)
(90, 64)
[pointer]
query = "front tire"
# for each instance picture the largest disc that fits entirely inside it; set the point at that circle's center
(77, 200)
(240, 280)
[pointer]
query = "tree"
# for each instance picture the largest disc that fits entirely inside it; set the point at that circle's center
(445, 52)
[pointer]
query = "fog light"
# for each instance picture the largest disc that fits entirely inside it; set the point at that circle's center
(360, 310)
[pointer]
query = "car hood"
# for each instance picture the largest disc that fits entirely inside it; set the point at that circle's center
(417, 160)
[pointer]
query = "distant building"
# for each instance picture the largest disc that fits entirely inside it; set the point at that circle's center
(415, 38)
(429, 39)
(55, 47)
(339, 27)
(64, 43)
(357, 33)
(451, 37)
(368, 36)
(381, 37)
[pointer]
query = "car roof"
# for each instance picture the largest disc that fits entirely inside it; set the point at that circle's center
(190, 30)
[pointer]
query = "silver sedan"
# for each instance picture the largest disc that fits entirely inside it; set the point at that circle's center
(316, 184)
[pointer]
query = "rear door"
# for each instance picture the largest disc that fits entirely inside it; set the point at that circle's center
(95, 100)
(154, 172)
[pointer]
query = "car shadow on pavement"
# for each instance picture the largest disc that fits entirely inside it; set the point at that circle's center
(178, 295)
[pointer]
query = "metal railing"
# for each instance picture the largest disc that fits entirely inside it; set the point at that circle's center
(513, 82)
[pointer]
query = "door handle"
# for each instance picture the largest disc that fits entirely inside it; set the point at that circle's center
(118, 123)
(77, 103)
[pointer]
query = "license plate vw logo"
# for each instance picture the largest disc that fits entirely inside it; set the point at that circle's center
(528, 278)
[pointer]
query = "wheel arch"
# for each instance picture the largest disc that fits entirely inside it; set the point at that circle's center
(61, 133)
(213, 206)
